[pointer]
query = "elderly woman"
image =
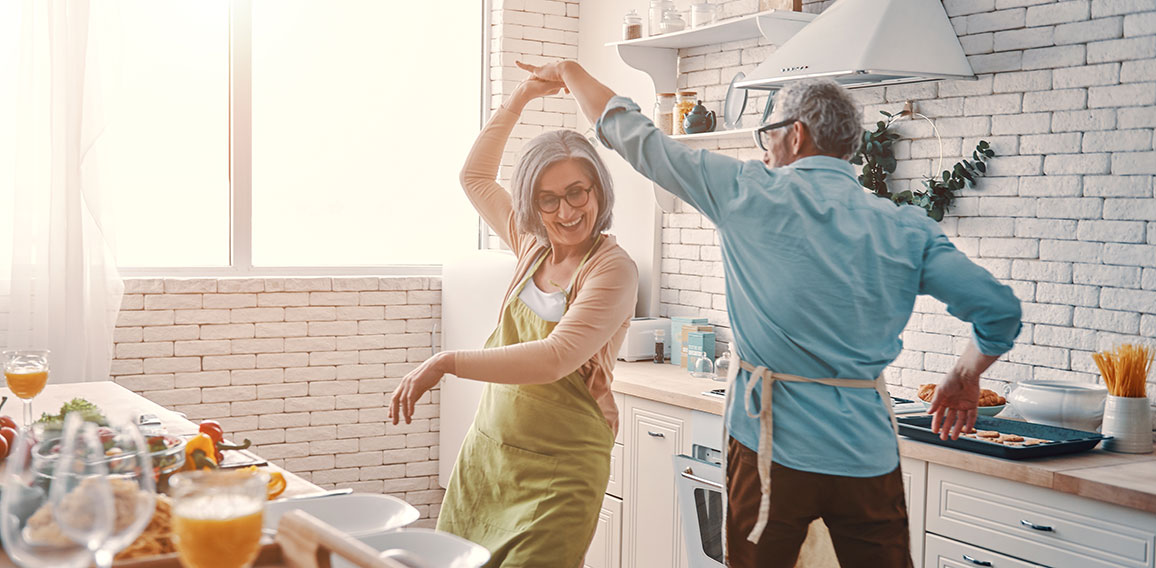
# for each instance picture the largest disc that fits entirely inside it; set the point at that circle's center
(532, 470)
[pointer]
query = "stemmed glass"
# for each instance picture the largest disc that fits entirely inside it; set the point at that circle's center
(131, 480)
(30, 535)
(81, 495)
(26, 372)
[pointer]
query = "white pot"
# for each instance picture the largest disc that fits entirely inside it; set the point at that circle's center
(1067, 404)
(1127, 420)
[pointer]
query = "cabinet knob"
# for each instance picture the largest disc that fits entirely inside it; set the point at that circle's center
(656, 434)
(1044, 528)
(976, 562)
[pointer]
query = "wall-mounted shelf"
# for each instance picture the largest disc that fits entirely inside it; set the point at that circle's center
(717, 134)
(657, 56)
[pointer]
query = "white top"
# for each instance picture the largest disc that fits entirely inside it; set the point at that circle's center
(549, 307)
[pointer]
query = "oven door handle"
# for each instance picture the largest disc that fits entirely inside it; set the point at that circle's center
(689, 474)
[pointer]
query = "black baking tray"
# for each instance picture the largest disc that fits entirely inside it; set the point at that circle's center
(1064, 440)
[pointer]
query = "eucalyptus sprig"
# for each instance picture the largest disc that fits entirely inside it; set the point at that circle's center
(878, 161)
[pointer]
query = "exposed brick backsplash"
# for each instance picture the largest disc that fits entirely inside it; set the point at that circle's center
(300, 366)
(1066, 214)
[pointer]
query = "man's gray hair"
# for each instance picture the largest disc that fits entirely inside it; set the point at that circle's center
(832, 117)
(544, 151)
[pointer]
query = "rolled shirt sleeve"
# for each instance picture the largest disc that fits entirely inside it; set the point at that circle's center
(706, 180)
(972, 294)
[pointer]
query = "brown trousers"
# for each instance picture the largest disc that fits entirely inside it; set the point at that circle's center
(867, 516)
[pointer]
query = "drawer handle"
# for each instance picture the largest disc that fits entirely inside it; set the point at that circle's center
(1044, 528)
(689, 474)
(976, 562)
(656, 434)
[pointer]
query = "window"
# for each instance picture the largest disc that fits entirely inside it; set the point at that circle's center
(346, 154)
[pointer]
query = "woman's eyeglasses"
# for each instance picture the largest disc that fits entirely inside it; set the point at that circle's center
(763, 134)
(549, 202)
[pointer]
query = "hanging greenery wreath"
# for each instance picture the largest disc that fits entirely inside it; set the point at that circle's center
(878, 161)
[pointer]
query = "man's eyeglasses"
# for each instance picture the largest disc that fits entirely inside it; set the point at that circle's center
(763, 134)
(549, 202)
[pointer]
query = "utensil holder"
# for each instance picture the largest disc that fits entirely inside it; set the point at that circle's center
(1128, 420)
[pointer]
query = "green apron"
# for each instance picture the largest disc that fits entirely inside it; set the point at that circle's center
(530, 476)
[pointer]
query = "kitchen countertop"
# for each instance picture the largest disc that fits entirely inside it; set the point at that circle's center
(1128, 480)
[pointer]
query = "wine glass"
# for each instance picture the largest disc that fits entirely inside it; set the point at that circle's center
(131, 480)
(81, 495)
(217, 517)
(26, 371)
(27, 529)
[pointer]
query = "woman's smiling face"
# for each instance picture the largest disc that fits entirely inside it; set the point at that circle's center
(568, 226)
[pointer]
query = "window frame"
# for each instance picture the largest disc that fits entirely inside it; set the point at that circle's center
(241, 170)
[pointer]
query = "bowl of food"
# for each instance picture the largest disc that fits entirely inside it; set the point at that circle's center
(167, 453)
(990, 402)
(1067, 404)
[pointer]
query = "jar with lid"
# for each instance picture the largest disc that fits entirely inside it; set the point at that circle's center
(672, 22)
(686, 102)
(722, 365)
(658, 8)
(664, 112)
(703, 13)
(631, 25)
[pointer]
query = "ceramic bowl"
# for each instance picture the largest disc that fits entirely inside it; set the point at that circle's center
(423, 548)
(356, 513)
(1067, 404)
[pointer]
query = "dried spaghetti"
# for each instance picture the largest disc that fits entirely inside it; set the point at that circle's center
(1125, 370)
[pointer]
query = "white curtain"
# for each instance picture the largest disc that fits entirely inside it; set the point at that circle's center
(59, 287)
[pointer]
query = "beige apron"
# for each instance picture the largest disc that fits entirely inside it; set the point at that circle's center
(767, 377)
(529, 479)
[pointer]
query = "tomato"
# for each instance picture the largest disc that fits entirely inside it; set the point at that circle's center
(9, 435)
(8, 421)
(213, 429)
(3, 448)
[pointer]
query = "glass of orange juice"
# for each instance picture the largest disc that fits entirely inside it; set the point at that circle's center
(26, 372)
(217, 517)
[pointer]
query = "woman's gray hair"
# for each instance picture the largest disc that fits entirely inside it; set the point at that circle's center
(833, 118)
(544, 151)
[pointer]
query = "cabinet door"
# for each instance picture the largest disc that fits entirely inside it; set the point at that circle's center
(652, 533)
(606, 549)
(915, 489)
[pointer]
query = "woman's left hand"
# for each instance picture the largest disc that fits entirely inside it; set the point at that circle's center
(416, 383)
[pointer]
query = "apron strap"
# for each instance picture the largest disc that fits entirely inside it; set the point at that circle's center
(767, 378)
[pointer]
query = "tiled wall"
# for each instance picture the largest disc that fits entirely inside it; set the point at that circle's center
(303, 367)
(1066, 215)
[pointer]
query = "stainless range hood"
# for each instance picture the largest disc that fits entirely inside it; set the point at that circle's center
(867, 43)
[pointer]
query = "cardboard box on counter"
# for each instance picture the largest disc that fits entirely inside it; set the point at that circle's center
(676, 337)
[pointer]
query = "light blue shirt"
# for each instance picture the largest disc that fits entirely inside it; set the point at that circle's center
(821, 278)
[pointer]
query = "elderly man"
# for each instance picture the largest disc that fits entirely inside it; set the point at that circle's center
(821, 278)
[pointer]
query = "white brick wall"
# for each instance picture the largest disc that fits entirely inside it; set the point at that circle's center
(1067, 96)
(300, 366)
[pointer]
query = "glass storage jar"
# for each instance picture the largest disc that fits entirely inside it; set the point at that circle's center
(672, 22)
(664, 112)
(703, 13)
(686, 102)
(631, 25)
(658, 8)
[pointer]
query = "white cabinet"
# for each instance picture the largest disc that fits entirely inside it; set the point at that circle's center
(1036, 524)
(947, 553)
(652, 528)
(606, 548)
(915, 490)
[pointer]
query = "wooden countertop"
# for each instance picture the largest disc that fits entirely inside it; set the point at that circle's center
(115, 400)
(1128, 480)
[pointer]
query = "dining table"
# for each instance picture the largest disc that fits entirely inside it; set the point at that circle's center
(115, 401)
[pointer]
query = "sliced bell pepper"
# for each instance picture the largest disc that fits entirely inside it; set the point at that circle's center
(200, 453)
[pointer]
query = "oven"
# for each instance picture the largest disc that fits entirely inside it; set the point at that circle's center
(699, 482)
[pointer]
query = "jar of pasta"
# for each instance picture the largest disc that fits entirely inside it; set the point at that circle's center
(686, 102)
(664, 112)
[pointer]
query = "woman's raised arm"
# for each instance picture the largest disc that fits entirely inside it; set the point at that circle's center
(480, 172)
